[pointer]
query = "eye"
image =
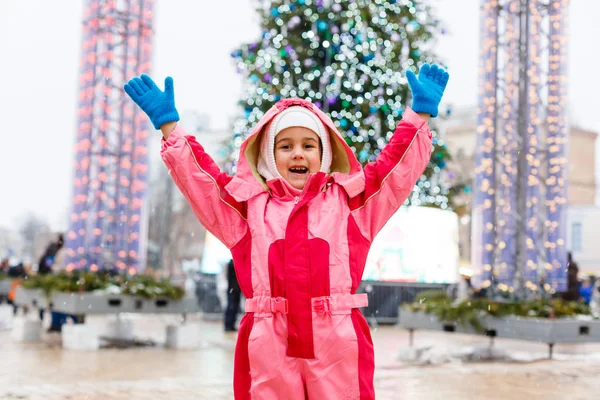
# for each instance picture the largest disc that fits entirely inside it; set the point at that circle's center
(309, 146)
(284, 147)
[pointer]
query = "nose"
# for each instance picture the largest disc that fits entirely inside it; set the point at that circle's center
(298, 153)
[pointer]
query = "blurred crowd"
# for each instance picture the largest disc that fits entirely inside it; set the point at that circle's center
(17, 270)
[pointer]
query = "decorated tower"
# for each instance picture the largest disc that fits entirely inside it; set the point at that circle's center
(520, 184)
(107, 221)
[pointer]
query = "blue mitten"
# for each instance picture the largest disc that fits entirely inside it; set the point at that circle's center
(159, 105)
(428, 89)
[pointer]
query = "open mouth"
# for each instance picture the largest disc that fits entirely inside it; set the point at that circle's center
(299, 170)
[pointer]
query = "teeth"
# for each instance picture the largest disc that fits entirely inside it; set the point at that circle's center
(298, 169)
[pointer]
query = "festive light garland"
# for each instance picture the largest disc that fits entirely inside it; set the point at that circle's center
(507, 155)
(529, 271)
(511, 228)
(557, 139)
(484, 184)
(350, 59)
(111, 154)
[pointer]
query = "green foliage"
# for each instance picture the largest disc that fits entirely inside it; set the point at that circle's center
(431, 295)
(149, 288)
(469, 312)
(74, 282)
(85, 281)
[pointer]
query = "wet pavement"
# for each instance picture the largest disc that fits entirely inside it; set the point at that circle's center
(46, 371)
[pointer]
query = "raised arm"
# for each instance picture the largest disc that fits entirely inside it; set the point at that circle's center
(203, 185)
(390, 179)
(193, 170)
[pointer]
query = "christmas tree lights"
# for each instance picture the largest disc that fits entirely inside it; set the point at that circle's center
(349, 58)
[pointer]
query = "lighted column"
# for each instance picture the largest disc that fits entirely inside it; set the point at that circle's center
(520, 178)
(111, 156)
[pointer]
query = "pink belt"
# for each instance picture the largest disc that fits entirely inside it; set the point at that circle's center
(321, 305)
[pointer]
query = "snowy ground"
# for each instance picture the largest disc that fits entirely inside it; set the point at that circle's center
(45, 371)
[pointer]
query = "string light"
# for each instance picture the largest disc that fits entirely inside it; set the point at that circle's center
(556, 142)
(507, 140)
(484, 238)
(349, 58)
(532, 158)
(111, 155)
(496, 214)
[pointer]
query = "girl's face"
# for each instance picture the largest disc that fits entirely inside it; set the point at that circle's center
(297, 154)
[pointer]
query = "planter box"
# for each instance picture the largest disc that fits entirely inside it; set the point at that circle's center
(186, 305)
(420, 320)
(80, 337)
(5, 286)
(81, 304)
(6, 316)
(542, 330)
(31, 298)
(26, 330)
(564, 330)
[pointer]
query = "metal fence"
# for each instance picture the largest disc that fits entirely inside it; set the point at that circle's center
(385, 298)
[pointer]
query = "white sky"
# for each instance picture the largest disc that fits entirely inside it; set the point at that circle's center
(40, 48)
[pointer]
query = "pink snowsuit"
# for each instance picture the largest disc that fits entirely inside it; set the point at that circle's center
(299, 259)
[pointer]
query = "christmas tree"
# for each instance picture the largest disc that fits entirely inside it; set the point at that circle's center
(349, 57)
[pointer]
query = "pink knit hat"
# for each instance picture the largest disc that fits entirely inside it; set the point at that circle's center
(292, 116)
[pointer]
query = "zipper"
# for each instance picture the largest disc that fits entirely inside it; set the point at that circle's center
(302, 192)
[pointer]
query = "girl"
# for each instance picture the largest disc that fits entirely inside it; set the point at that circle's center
(299, 216)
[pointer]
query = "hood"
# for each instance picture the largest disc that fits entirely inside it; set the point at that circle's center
(345, 168)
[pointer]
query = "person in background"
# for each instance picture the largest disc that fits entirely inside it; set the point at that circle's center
(47, 259)
(45, 266)
(572, 293)
(595, 297)
(18, 273)
(4, 266)
(3, 271)
(585, 291)
(234, 295)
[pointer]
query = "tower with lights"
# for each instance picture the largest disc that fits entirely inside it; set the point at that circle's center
(107, 227)
(520, 197)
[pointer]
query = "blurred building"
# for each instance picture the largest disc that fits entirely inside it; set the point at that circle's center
(11, 243)
(583, 217)
(175, 235)
(583, 232)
